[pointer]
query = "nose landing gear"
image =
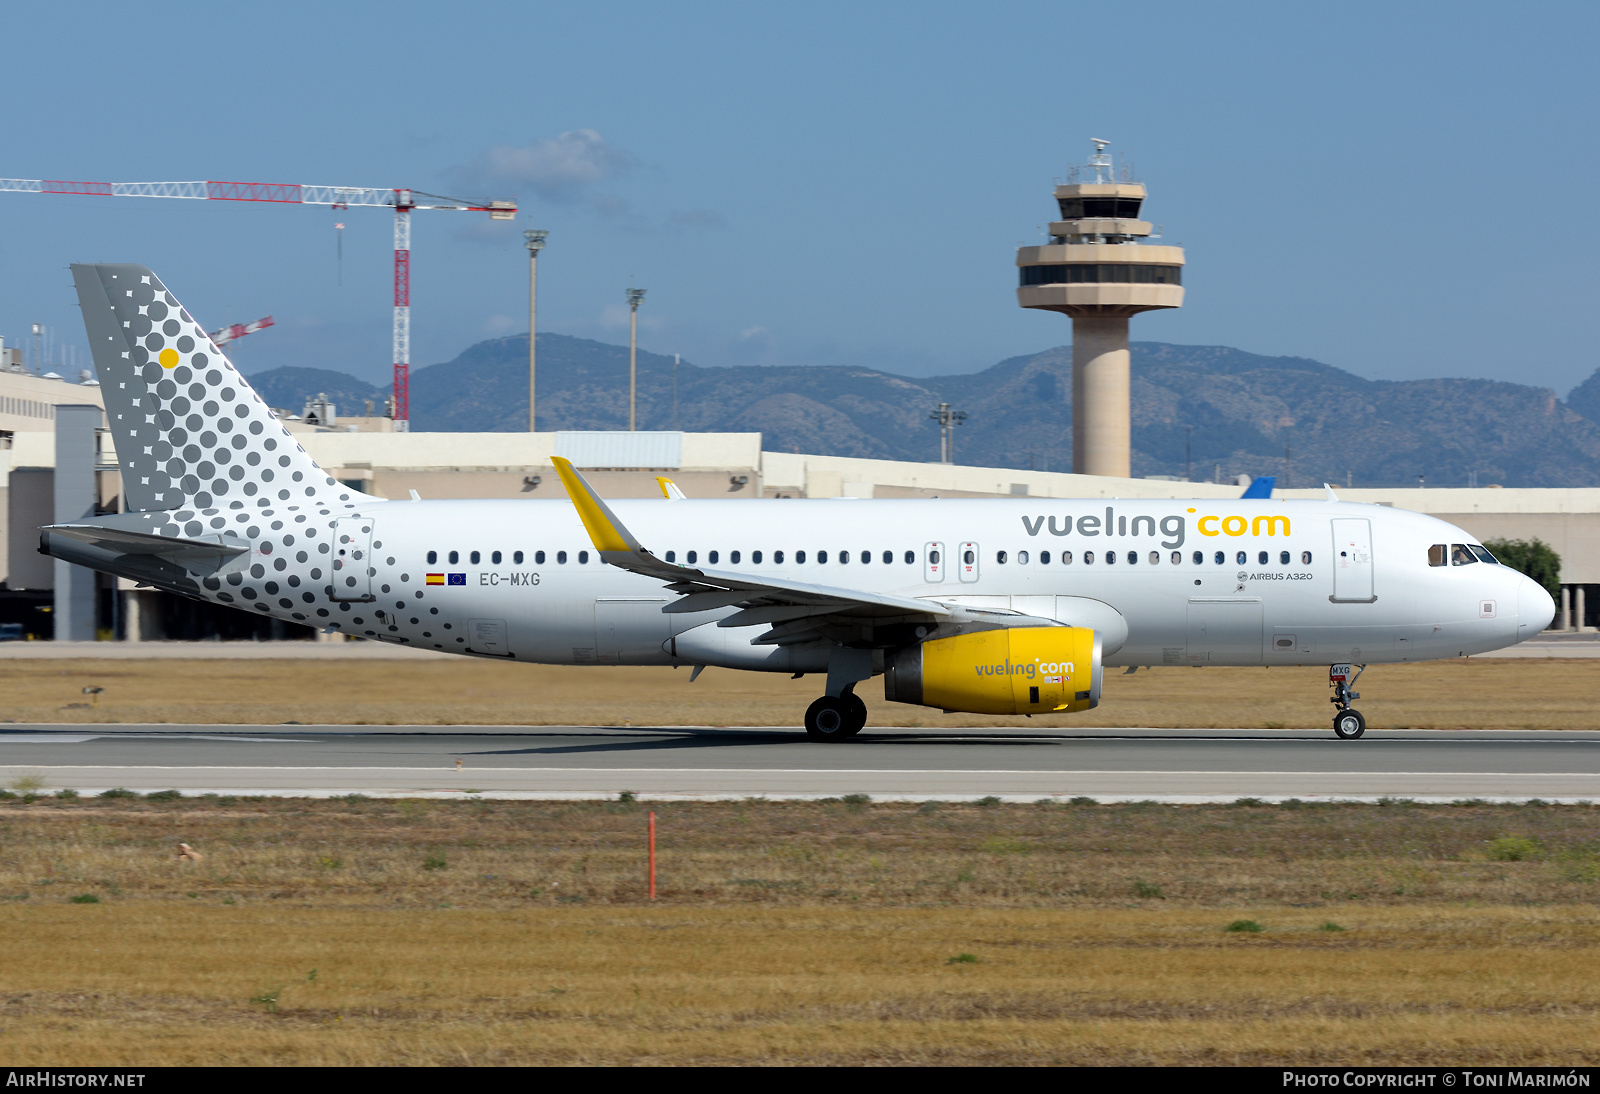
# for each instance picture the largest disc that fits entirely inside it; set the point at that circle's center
(1348, 724)
(830, 719)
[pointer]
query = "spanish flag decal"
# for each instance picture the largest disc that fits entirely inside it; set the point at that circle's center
(435, 579)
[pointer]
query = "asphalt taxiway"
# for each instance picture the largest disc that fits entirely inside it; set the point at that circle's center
(885, 763)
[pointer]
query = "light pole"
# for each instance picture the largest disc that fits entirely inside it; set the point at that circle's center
(534, 239)
(948, 419)
(635, 298)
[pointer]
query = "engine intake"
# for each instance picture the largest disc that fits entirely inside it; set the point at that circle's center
(1016, 670)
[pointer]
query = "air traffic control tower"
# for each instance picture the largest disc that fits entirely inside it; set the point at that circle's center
(1096, 269)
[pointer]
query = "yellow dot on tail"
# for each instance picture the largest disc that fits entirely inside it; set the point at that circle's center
(168, 358)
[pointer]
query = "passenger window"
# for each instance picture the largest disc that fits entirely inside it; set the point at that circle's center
(1261, 559)
(1000, 557)
(800, 558)
(969, 558)
(711, 557)
(911, 557)
(888, 557)
(933, 557)
(672, 556)
(866, 557)
(1022, 558)
(1283, 558)
(517, 558)
(1240, 558)
(433, 558)
(583, 557)
(1220, 558)
(1305, 558)
(733, 557)
(1438, 554)
(693, 557)
(1460, 556)
(777, 558)
(1155, 558)
(822, 557)
(455, 557)
(755, 557)
(538, 556)
(1177, 558)
(1066, 558)
(561, 557)
(1044, 558)
(1088, 557)
(495, 557)
(1199, 557)
(474, 558)
(844, 556)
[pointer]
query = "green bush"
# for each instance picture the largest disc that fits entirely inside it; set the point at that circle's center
(989, 801)
(1145, 891)
(857, 799)
(1533, 557)
(435, 861)
(119, 792)
(963, 959)
(1514, 849)
(86, 898)
(163, 796)
(1244, 926)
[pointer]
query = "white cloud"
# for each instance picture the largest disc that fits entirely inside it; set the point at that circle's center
(563, 169)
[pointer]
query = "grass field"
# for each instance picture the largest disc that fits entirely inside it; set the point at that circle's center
(1461, 694)
(392, 932)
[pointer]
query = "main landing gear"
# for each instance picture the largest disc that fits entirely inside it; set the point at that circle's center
(830, 719)
(1348, 724)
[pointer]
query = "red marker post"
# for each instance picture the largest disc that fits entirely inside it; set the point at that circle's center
(652, 856)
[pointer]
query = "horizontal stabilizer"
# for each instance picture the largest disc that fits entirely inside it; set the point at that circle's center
(123, 541)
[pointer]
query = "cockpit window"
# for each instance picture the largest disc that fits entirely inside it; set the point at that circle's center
(1483, 554)
(1438, 554)
(1461, 555)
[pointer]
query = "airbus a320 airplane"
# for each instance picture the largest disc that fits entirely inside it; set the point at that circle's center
(980, 606)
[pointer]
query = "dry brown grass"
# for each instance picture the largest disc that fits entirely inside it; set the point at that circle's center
(394, 932)
(149, 985)
(1463, 694)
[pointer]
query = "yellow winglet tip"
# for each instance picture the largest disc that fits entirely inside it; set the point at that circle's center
(597, 521)
(663, 483)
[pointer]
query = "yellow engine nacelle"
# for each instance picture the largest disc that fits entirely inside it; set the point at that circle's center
(1017, 670)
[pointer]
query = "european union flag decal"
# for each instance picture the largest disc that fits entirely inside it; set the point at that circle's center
(458, 579)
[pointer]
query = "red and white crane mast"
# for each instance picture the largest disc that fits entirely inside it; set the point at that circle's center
(292, 193)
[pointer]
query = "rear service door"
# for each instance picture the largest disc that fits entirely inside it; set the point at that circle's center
(1352, 561)
(933, 562)
(352, 558)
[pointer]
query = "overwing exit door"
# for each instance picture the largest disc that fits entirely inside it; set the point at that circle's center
(1352, 561)
(352, 558)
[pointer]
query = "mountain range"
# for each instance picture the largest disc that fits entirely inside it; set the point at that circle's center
(1198, 411)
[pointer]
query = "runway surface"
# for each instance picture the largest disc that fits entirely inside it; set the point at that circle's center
(888, 764)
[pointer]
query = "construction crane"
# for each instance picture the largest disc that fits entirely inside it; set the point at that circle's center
(238, 330)
(403, 201)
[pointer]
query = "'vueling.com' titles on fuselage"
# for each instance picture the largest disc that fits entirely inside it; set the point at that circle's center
(224, 506)
(1171, 528)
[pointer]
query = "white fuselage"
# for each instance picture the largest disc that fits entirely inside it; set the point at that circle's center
(1239, 582)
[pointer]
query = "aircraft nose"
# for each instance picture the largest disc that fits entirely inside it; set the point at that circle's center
(1535, 608)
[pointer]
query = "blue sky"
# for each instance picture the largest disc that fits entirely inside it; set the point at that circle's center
(1403, 190)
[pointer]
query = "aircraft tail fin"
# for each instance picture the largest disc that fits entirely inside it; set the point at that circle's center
(188, 429)
(1260, 488)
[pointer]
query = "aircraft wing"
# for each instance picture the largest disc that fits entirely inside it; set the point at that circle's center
(796, 611)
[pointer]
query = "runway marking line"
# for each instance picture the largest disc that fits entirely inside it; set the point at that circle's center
(800, 771)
